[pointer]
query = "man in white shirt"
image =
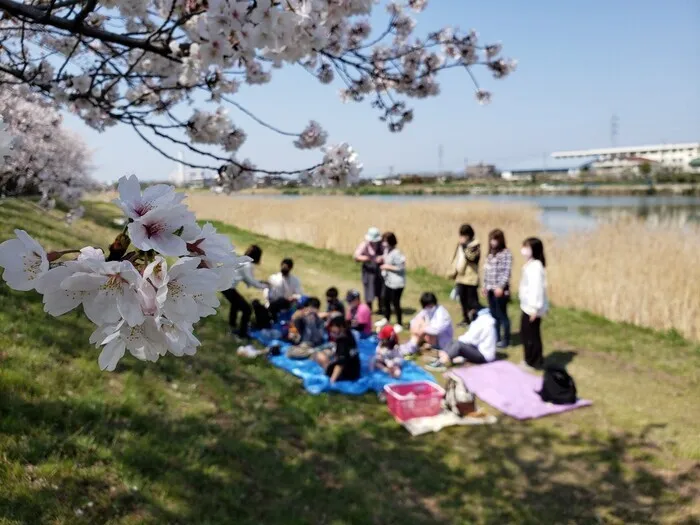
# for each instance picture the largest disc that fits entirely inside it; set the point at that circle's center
(284, 290)
(477, 345)
(432, 325)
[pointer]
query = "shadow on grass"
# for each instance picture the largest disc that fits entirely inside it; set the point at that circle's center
(264, 452)
(280, 467)
(560, 358)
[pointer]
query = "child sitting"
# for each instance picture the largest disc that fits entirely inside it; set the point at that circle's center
(307, 326)
(342, 364)
(334, 306)
(388, 355)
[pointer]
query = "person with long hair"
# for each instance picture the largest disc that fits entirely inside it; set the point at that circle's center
(533, 300)
(394, 273)
(466, 272)
(238, 302)
(497, 273)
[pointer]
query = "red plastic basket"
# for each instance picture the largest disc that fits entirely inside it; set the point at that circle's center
(410, 400)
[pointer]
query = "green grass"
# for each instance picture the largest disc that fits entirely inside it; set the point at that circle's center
(218, 439)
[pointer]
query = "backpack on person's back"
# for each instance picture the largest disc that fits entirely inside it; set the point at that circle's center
(558, 387)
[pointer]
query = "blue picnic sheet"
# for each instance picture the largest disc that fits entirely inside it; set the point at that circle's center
(316, 382)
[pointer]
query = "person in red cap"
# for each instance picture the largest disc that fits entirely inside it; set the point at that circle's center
(388, 357)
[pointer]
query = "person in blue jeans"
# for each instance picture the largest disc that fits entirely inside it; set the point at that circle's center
(497, 272)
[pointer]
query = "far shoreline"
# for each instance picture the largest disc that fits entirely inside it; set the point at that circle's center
(416, 190)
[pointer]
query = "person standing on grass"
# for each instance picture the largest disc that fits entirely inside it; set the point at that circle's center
(466, 272)
(238, 302)
(497, 272)
(533, 300)
(370, 253)
(283, 292)
(394, 273)
(358, 314)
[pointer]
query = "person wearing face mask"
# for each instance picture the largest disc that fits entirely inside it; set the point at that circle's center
(394, 273)
(497, 271)
(533, 300)
(432, 325)
(283, 292)
(370, 253)
(466, 272)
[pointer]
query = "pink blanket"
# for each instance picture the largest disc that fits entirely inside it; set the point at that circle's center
(512, 390)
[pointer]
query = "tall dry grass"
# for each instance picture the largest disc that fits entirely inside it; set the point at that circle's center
(626, 271)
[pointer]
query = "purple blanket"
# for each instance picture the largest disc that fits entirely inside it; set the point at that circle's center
(510, 389)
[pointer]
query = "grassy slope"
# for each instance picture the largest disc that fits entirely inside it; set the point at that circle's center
(215, 439)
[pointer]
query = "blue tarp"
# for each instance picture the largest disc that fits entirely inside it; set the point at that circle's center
(315, 380)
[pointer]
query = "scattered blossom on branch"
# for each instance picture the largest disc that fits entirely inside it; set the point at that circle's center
(139, 302)
(145, 63)
(340, 167)
(45, 159)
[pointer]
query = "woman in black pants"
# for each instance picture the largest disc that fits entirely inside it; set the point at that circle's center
(238, 302)
(394, 274)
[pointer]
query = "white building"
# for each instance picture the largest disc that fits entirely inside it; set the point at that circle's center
(675, 157)
(179, 176)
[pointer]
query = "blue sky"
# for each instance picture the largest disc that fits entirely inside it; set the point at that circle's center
(579, 63)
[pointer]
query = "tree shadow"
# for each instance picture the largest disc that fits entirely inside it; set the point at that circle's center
(287, 464)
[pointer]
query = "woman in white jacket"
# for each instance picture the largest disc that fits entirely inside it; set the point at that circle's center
(533, 300)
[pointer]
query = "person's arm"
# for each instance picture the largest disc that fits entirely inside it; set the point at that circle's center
(250, 280)
(534, 298)
(504, 266)
(337, 370)
(473, 251)
(360, 253)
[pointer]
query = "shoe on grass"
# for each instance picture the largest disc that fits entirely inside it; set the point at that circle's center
(502, 344)
(436, 366)
(398, 329)
(381, 323)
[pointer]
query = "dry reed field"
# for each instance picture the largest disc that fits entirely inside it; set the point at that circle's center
(626, 271)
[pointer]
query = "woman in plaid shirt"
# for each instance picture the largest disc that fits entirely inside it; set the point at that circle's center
(499, 264)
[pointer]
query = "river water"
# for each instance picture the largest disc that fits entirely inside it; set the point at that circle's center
(562, 214)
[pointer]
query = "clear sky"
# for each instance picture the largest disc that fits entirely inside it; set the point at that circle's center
(580, 63)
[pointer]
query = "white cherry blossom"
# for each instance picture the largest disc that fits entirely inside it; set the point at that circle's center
(211, 247)
(144, 341)
(24, 261)
(136, 204)
(178, 285)
(111, 292)
(158, 230)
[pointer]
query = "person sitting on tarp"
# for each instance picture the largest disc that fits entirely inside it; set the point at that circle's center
(387, 357)
(432, 326)
(310, 329)
(358, 314)
(477, 345)
(283, 293)
(342, 362)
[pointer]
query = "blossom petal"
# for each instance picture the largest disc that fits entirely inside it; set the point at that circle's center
(111, 354)
(10, 254)
(84, 282)
(130, 308)
(61, 301)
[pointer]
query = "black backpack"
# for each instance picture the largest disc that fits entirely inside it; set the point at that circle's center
(558, 386)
